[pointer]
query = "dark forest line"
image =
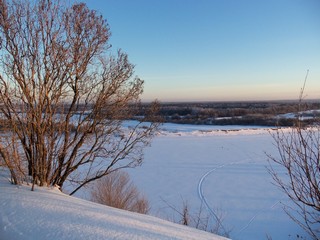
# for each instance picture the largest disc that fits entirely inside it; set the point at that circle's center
(272, 113)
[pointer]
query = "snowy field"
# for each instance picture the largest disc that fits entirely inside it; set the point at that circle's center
(225, 169)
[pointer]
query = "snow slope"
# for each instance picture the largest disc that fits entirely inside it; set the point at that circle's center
(49, 214)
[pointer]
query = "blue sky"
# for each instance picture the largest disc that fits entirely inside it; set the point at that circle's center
(216, 50)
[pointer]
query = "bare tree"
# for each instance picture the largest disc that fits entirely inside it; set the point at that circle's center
(117, 190)
(299, 157)
(63, 96)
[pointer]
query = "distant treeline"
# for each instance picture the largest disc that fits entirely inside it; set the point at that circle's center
(273, 113)
(236, 113)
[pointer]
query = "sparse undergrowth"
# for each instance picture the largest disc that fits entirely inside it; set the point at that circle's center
(199, 218)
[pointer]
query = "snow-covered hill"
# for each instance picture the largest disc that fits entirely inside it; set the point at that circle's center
(49, 214)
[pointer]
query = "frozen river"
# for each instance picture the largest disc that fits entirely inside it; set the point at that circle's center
(223, 169)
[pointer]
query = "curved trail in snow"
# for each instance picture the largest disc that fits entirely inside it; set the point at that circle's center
(204, 200)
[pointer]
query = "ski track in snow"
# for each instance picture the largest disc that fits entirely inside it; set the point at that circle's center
(204, 200)
(202, 197)
(253, 218)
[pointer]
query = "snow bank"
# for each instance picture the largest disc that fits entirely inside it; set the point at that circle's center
(171, 129)
(49, 214)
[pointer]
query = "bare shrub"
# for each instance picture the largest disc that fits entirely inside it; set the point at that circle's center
(10, 157)
(299, 157)
(199, 219)
(117, 190)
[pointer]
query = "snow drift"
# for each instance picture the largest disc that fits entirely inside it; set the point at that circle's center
(49, 214)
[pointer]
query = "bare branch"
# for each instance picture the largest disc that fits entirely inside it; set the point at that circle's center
(64, 97)
(299, 157)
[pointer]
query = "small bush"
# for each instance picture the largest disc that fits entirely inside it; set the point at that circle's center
(117, 190)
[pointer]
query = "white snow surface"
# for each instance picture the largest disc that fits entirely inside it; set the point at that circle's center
(46, 213)
(222, 168)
